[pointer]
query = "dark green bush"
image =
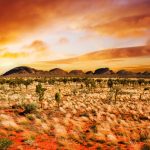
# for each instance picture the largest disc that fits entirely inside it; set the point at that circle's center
(145, 147)
(29, 108)
(58, 98)
(110, 83)
(5, 143)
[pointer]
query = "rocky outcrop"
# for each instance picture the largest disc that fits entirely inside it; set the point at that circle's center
(105, 71)
(21, 70)
(58, 72)
(76, 72)
(89, 73)
(124, 72)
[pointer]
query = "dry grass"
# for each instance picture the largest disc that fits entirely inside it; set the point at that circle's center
(90, 117)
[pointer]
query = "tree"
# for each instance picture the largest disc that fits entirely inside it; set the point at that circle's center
(87, 83)
(140, 81)
(93, 84)
(116, 93)
(58, 98)
(99, 81)
(51, 81)
(27, 83)
(110, 83)
(40, 91)
(12, 84)
(65, 81)
(2, 81)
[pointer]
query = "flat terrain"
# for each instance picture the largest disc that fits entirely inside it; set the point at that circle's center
(74, 114)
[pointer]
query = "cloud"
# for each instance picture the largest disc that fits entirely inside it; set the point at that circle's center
(24, 21)
(9, 55)
(37, 46)
(39, 50)
(118, 53)
(5, 39)
(111, 55)
(141, 68)
(125, 27)
(18, 18)
(2, 50)
(148, 43)
(121, 20)
(133, 59)
(63, 40)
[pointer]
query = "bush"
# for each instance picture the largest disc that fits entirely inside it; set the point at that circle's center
(110, 83)
(29, 108)
(5, 143)
(146, 88)
(30, 116)
(98, 148)
(58, 98)
(51, 82)
(40, 91)
(145, 147)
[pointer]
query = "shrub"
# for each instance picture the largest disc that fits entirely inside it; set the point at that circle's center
(29, 108)
(51, 82)
(57, 98)
(93, 84)
(94, 128)
(146, 88)
(110, 83)
(65, 80)
(30, 116)
(40, 91)
(5, 143)
(98, 148)
(74, 91)
(117, 90)
(145, 147)
(140, 81)
(27, 83)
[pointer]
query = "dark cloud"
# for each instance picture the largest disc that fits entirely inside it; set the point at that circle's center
(25, 16)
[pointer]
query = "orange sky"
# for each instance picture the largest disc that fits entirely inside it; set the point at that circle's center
(37, 32)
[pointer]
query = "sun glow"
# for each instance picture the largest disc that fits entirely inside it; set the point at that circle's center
(62, 29)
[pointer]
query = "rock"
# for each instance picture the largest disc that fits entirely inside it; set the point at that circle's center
(58, 72)
(76, 72)
(105, 71)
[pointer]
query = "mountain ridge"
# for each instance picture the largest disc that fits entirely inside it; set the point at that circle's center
(24, 71)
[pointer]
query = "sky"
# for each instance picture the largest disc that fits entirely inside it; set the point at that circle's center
(46, 34)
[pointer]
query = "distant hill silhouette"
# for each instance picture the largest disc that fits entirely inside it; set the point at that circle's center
(21, 70)
(58, 71)
(105, 71)
(124, 72)
(76, 72)
(24, 71)
(89, 73)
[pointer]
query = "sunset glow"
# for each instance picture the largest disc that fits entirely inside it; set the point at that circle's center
(71, 34)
